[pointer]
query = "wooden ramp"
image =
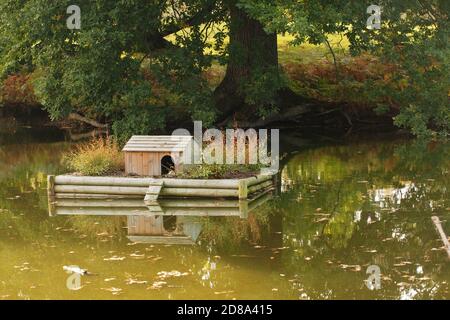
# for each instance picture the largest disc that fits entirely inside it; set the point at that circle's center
(152, 194)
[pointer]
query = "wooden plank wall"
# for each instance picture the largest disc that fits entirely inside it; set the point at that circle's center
(144, 163)
(142, 225)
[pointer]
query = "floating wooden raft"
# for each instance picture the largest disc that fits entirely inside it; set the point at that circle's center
(159, 195)
(114, 187)
(162, 207)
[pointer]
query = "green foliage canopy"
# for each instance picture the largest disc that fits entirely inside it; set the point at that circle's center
(104, 69)
(413, 39)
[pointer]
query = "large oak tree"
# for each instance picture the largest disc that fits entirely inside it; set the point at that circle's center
(104, 70)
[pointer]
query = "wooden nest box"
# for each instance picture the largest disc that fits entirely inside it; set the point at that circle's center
(156, 155)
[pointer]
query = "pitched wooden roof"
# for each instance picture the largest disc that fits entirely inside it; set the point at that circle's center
(158, 143)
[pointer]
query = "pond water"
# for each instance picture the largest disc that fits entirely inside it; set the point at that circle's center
(343, 207)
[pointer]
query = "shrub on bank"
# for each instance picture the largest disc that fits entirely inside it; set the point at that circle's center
(95, 158)
(17, 92)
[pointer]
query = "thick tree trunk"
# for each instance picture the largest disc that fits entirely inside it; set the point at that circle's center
(251, 50)
(253, 54)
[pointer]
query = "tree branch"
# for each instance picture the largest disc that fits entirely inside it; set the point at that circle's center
(79, 117)
(199, 17)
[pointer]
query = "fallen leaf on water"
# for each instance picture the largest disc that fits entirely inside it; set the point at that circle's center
(114, 258)
(424, 278)
(399, 264)
(113, 290)
(403, 284)
(14, 198)
(243, 256)
(352, 267)
(402, 263)
(135, 281)
(169, 274)
(223, 292)
(157, 285)
(281, 248)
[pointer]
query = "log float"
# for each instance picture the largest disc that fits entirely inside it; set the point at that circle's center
(167, 207)
(72, 193)
(100, 187)
(440, 230)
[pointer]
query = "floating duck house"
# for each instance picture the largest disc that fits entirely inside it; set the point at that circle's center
(146, 159)
(156, 155)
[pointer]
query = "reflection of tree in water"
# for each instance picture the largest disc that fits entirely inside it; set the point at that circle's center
(23, 195)
(229, 234)
(352, 206)
(347, 207)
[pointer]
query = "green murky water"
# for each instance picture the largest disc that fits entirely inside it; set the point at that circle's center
(342, 208)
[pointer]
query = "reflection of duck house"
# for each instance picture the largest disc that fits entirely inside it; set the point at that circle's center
(156, 155)
(163, 230)
(167, 207)
(177, 223)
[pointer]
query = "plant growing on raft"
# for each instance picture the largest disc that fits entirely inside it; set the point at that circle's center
(220, 171)
(96, 157)
(239, 168)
